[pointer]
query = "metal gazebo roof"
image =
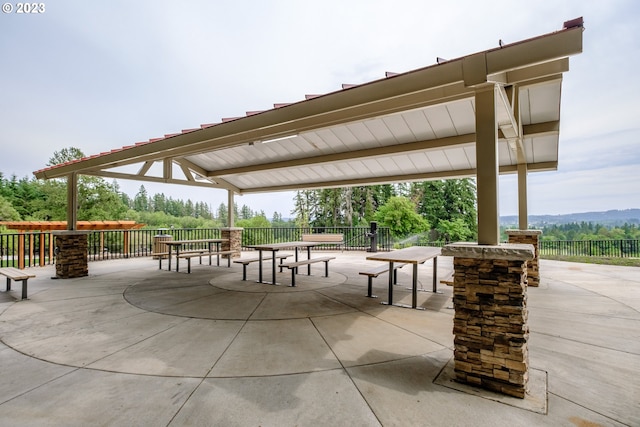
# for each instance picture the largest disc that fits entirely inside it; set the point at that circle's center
(418, 125)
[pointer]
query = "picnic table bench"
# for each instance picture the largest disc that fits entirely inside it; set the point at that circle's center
(324, 238)
(247, 261)
(160, 256)
(12, 273)
(293, 266)
(199, 253)
(375, 272)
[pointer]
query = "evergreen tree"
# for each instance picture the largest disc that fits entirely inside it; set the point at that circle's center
(141, 200)
(7, 212)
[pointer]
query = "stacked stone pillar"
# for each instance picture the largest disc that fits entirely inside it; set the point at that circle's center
(234, 243)
(71, 251)
(531, 237)
(490, 323)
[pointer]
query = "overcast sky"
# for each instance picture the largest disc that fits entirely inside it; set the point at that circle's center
(100, 74)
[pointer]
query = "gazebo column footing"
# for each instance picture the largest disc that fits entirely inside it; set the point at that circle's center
(490, 324)
(234, 243)
(71, 252)
(531, 237)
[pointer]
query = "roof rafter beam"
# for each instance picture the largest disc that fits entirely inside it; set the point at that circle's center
(207, 184)
(145, 167)
(369, 152)
(462, 173)
(543, 128)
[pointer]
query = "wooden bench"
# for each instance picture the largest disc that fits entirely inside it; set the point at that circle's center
(19, 275)
(200, 253)
(293, 266)
(447, 281)
(375, 272)
(324, 238)
(247, 261)
(160, 256)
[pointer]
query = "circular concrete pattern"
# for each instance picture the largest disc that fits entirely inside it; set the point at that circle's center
(211, 323)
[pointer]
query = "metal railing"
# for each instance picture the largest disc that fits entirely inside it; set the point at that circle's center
(355, 238)
(139, 243)
(625, 248)
(38, 248)
(26, 249)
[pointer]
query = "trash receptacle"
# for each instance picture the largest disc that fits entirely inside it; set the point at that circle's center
(159, 246)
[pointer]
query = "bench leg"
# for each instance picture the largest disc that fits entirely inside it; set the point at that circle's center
(326, 269)
(244, 271)
(229, 261)
(293, 276)
(8, 284)
(24, 289)
(189, 265)
(160, 262)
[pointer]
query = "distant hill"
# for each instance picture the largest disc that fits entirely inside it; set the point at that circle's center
(607, 218)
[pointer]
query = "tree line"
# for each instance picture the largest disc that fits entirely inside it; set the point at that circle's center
(436, 210)
(590, 231)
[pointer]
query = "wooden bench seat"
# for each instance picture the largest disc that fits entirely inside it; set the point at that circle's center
(12, 273)
(447, 281)
(325, 238)
(199, 253)
(376, 271)
(247, 261)
(160, 256)
(293, 266)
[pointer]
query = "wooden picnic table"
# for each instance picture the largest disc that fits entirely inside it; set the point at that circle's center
(178, 244)
(275, 247)
(412, 255)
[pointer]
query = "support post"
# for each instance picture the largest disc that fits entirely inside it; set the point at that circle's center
(487, 166)
(230, 211)
(72, 201)
(523, 215)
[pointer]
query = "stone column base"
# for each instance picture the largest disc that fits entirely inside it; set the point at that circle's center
(72, 251)
(531, 237)
(490, 323)
(234, 235)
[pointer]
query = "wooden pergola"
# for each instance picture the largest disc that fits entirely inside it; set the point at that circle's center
(47, 227)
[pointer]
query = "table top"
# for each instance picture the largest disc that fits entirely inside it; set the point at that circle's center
(283, 245)
(184, 242)
(412, 255)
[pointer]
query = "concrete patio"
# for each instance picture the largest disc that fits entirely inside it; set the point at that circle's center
(133, 345)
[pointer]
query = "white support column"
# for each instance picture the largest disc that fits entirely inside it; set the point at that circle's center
(523, 210)
(523, 215)
(487, 166)
(72, 201)
(230, 210)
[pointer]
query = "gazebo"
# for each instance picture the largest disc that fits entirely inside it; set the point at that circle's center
(489, 113)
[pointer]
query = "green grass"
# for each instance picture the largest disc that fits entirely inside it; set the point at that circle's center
(625, 262)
